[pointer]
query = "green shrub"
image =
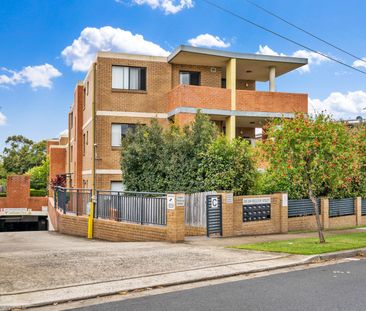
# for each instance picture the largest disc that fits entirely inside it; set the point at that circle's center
(2, 195)
(38, 192)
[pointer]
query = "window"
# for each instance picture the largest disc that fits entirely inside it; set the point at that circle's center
(117, 186)
(71, 153)
(87, 88)
(87, 137)
(129, 78)
(84, 99)
(71, 119)
(119, 131)
(189, 77)
(84, 142)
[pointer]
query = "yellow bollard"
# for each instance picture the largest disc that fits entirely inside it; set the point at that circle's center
(90, 220)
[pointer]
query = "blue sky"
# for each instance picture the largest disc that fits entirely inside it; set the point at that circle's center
(37, 78)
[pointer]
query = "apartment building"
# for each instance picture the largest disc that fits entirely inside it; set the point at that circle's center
(121, 90)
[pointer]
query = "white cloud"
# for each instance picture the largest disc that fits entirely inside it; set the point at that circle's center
(341, 106)
(80, 54)
(313, 58)
(207, 40)
(168, 6)
(266, 50)
(359, 63)
(36, 76)
(2, 119)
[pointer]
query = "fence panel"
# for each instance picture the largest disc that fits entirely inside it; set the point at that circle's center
(299, 208)
(363, 207)
(195, 211)
(72, 200)
(136, 207)
(341, 207)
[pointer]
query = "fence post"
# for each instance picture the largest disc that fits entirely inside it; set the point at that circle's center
(142, 209)
(358, 210)
(227, 213)
(175, 217)
(96, 207)
(324, 206)
(64, 207)
(77, 202)
(281, 202)
(55, 197)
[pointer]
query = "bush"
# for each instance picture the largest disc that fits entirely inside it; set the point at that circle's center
(38, 193)
(2, 194)
(39, 176)
(228, 166)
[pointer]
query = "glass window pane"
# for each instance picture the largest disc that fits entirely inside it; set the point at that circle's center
(117, 77)
(116, 135)
(184, 78)
(125, 77)
(117, 186)
(134, 78)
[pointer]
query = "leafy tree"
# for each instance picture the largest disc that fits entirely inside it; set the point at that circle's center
(39, 176)
(156, 160)
(21, 154)
(360, 140)
(311, 157)
(228, 166)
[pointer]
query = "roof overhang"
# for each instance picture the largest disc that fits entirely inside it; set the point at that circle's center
(249, 66)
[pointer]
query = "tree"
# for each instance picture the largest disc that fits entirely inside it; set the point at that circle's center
(360, 140)
(153, 159)
(311, 157)
(39, 176)
(228, 165)
(21, 154)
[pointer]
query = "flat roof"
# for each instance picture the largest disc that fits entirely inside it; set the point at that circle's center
(249, 66)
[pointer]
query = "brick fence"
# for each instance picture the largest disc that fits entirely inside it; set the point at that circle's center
(115, 231)
(18, 194)
(233, 223)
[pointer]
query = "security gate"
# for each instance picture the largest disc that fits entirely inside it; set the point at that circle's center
(214, 215)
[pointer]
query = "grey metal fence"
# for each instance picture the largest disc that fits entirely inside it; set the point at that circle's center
(136, 207)
(363, 207)
(195, 209)
(341, 207)
(73, 200)
(299, 208)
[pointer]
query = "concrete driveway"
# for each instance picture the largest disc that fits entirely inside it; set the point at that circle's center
(33, 261)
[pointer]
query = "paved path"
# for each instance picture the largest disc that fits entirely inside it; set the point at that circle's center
(42, 260)
(332, 287)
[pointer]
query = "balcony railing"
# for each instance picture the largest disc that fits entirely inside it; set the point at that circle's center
(205, 97)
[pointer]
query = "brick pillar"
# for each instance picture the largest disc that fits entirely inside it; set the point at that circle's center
(324, 207)
(227, 213)
(358, 211)
(17, 191)
(175, 217)
(281, 203)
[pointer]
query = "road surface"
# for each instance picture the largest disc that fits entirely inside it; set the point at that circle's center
(333, 287)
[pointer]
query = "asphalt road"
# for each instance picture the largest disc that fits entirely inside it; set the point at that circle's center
(333, 287)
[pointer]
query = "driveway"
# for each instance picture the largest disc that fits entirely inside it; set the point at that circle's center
(32, 261)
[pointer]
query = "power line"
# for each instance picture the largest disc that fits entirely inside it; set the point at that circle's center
(281, 36)
(305, 31)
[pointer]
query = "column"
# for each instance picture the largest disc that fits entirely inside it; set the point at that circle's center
(358, 211)
(227, 213)
(324, 207)
(272, 79)
(231, 84)
(175, 217)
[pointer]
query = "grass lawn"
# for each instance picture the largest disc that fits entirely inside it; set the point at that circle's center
(311, 246)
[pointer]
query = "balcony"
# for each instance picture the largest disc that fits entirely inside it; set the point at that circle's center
(203, 97)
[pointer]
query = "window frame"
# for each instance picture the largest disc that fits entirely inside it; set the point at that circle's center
(129, 125)
(142, 79)
(190, 72)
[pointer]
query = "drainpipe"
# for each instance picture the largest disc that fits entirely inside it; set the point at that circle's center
(92, 204)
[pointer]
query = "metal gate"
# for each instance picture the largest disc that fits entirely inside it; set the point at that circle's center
(214, 215)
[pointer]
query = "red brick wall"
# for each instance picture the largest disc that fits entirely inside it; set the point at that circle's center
(17, 191)
(271, 102)
(199, 97)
